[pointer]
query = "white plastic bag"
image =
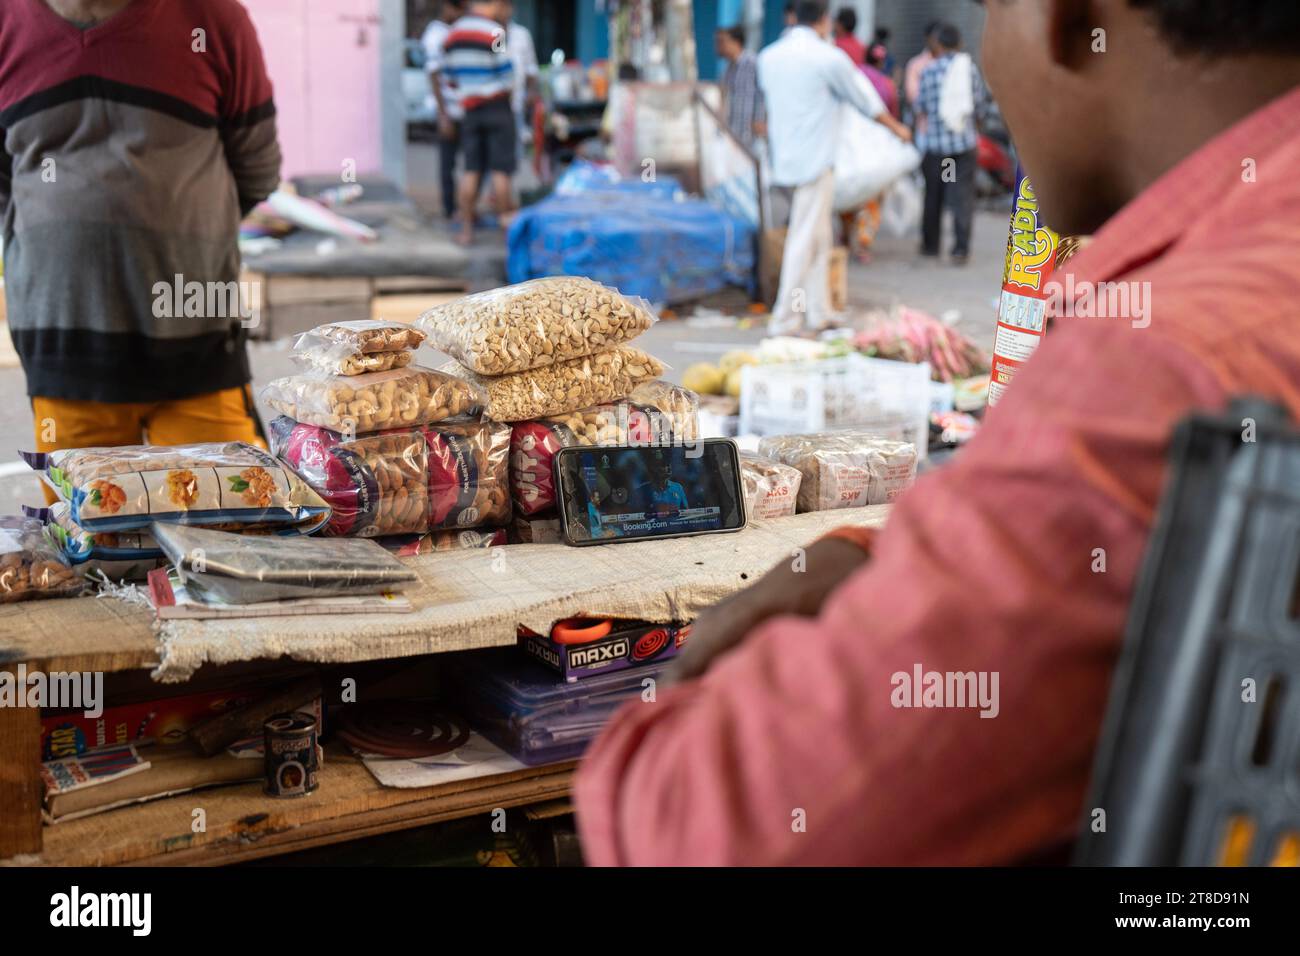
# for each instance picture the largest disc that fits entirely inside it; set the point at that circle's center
(868, 159)
(900, 211)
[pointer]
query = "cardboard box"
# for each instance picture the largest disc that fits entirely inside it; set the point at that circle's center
(628, 644)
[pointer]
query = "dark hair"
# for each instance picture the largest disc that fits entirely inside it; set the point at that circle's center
(736, 32)
(1225, 27)
(847, 18)
(949, 36)
(809, 11)
(627, 71)
(882, 34)
(932, 27)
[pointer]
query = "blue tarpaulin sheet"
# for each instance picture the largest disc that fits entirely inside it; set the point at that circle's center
(644, 239)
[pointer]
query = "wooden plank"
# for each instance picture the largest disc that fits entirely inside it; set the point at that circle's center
(408, 308)
(78, 634)
(243, 823)
(285, 290)
(385, 285)
(20, 781)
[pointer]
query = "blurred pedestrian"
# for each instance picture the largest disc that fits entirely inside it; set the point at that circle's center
(952, 98)
(447, 113)
(524, 70)
(805, 80)
(476, 61)
(742, 100)
(881, 39)
(846, 21)
(915, 67)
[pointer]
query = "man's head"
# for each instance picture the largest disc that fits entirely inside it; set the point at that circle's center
(947, 39)
(449, 10)
(846, 21)
(788, 15)
(730, 42)
(1104, 96)
(486, 8)
(815, 14)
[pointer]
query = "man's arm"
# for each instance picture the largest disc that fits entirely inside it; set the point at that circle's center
(855, 89)
(248, 130)
(792, 748)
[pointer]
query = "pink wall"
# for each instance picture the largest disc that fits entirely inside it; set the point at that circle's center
(323, 56)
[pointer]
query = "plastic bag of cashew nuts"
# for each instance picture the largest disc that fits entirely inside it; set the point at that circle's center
(564, 386)
(533, 324)
(844, 469)
(656, 413)
(31, 566)
(403, 481)
(354, 348)
(771, 488)
(352, 404)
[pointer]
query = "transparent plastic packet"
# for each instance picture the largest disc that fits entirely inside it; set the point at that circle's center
(124, 488)
(355, 348)
(367, 336)
(31, 564)
(657, 413)
(445, 475)
(373, 401)
(246, 569)
(845, 469)
(534, 324)
(563, 387)
(771, 487)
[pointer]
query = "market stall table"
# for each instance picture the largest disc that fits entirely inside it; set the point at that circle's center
(464, 600)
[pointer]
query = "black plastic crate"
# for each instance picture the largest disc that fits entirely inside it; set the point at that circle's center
(1188, 772)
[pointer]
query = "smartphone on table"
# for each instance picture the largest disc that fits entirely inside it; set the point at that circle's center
(619, 493)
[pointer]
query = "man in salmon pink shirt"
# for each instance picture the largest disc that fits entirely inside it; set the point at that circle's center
(789, 738)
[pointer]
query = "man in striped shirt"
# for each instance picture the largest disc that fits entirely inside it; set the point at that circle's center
(476, 62)
(133, 136)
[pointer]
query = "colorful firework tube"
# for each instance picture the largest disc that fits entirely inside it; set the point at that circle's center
(1022, 310)
(292, 757)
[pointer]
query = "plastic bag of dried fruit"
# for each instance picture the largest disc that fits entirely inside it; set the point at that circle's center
(403, 481)
(352, 404)
(656, 413)
(31, 566)
(565, 386)
(357, 347)
(771, 488)
(534, 323)
(844, 469)
(125, 488)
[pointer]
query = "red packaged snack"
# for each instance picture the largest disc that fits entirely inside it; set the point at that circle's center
(658, 413)
(403, 481)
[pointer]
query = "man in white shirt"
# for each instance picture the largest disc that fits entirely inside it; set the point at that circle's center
(805, 80)
(448, 122)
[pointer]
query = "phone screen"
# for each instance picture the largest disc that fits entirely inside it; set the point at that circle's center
(621, 493)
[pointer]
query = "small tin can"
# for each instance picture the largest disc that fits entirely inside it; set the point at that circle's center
(292, 759)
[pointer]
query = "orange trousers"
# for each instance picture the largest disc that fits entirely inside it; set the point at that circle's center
(227, 415)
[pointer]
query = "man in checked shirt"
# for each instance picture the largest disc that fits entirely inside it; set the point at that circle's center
(742, 100)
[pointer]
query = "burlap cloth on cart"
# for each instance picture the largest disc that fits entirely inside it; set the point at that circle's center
(478, 598)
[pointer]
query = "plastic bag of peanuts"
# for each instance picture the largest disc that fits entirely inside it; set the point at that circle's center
(656, 413)
(352, 404)
(403, 481)
(534, 323)
(31, 566)
(564, 386)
